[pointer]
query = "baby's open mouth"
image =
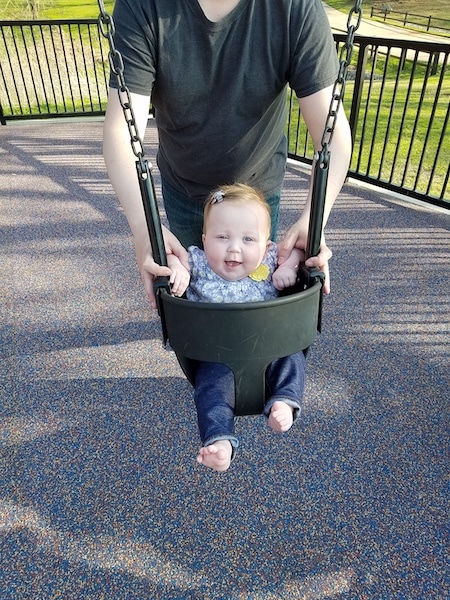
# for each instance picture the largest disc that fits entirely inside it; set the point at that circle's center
(232, 263)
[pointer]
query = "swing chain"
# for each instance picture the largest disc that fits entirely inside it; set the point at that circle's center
(345, 57)
(107, 30)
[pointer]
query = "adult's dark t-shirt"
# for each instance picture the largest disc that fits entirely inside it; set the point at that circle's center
(219, 89)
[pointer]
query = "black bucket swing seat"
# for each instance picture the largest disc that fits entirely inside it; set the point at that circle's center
(247, 336)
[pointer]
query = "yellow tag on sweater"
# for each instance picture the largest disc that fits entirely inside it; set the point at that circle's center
(261, 273)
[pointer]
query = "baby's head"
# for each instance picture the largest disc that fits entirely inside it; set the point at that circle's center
(236, 230)
(238, 194)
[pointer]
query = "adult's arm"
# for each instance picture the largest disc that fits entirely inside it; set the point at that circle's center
(121, 166)
(314, 109)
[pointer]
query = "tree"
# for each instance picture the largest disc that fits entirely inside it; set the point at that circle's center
(33, 6)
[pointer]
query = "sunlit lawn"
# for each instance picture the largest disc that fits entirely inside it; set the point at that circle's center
(399, 128)
(55, 9)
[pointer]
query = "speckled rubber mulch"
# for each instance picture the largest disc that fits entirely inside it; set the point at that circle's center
(100, 494)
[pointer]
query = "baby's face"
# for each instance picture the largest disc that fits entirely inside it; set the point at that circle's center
(235, 239)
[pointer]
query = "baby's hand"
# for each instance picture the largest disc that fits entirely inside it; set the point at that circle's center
(286, 274)
(284, 277)
(179, 276)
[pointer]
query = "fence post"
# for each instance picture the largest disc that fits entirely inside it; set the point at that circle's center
(358, 89)
(2, 118)
(402, 59)
(435, 63)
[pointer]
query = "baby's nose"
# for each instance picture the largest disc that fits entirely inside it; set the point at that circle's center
(234, 246)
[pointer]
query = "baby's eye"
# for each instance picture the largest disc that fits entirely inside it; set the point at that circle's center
(222, 237)
(249, 239)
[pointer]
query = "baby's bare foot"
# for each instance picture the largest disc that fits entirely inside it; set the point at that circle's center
(281, 416)
(216, 456)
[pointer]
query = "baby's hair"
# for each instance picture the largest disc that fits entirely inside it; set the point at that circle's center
(238, 193)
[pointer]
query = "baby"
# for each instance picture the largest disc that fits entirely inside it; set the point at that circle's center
(238, 263)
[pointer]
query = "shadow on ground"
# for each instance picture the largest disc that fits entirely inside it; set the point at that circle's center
(101, 497)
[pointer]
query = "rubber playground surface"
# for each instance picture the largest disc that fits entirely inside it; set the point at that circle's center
(100, 494)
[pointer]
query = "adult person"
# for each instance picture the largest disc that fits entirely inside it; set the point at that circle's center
(217, 72)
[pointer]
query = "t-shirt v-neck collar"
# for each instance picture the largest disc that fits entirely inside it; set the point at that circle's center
(223, 23)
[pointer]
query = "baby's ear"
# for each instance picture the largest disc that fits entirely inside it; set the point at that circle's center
(203, 238)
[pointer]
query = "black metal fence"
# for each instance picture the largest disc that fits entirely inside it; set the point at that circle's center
(397, 98)
(52, 68)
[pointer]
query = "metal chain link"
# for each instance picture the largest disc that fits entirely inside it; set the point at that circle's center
(345, 57)
(107, 30)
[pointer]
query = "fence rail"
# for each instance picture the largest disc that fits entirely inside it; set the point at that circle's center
(397, 98)
(437, 24)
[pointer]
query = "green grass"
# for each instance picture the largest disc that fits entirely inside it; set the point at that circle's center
(71, 9)
(396, 135)
(54, 69)
(391, 139)
(52, 9)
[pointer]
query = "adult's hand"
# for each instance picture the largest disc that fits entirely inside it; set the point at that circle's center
(314, 109)
(297, 237)
(149, 269)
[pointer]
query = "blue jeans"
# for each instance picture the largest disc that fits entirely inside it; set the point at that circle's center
(214, 395)
(185, 215)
